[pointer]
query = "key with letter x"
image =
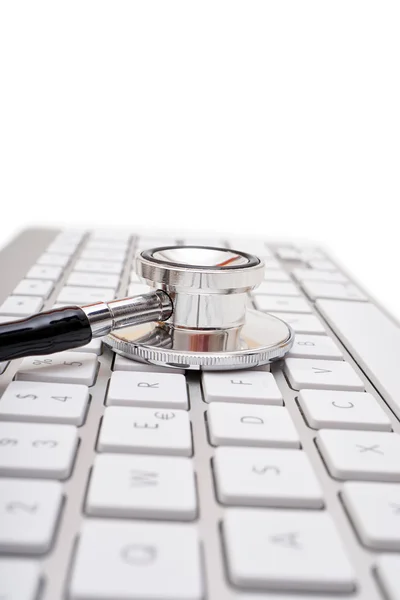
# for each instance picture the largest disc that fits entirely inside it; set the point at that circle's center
(364, 455)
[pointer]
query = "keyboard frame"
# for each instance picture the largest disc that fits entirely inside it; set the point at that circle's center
(15, 261)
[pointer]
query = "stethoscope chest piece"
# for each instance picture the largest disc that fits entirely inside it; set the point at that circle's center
(212, 326)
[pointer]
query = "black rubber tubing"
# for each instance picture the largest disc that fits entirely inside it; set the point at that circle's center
(44, 333)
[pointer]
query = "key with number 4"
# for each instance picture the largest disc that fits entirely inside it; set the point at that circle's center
(44, 402)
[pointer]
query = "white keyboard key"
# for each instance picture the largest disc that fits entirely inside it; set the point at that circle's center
(337, 291)
(145, 431)
(93, 280)
(147, 389)
(251, 425)
(149, 487)
(70, 236)
(324, 276)
(322, 374)
(94, 346)
(106, 255)
(107, 245)
(137, 561)
(254, 387)
(270, 262)
(21, 306)
(82, 295)
(146, 242)
(388, 568)
(276, 275)
(322, 265)
(283, 550)
(365, 455)
(302, 323)
(357, 324)
(374, 509)
(44, 402)
(257, 247)
(272, 288)
(37, 450)
(60, 247)
(288, 254)
(281, 304)
(266, 477)
(29, 511)
(62, 367)
(308, 254)
(315, 346)
(34, 287)
(43, 272)
(53, 260)
(136, 289)
(110, 236)
(121, 363)
(343, 410)
(96, 266)
(19, 579)
(200, 241)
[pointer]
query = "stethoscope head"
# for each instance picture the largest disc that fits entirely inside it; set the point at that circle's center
(212, 325)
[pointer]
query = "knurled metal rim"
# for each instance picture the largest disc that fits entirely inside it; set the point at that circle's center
(207, 360)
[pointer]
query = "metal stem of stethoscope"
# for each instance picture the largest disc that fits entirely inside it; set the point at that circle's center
(196, 317)
(71, 326)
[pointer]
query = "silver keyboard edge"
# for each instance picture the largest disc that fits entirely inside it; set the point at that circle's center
(56, 566)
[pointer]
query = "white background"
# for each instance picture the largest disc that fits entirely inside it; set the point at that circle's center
(277, 118)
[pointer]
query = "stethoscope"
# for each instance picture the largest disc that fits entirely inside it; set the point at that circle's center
(197, 317)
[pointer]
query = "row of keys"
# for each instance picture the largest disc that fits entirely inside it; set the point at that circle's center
(30, 294)
(44, 450)
(164, 488)
(149, 567)
(265, 550)
(67, 403)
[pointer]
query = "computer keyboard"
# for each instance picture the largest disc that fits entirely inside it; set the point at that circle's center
(125, 481)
